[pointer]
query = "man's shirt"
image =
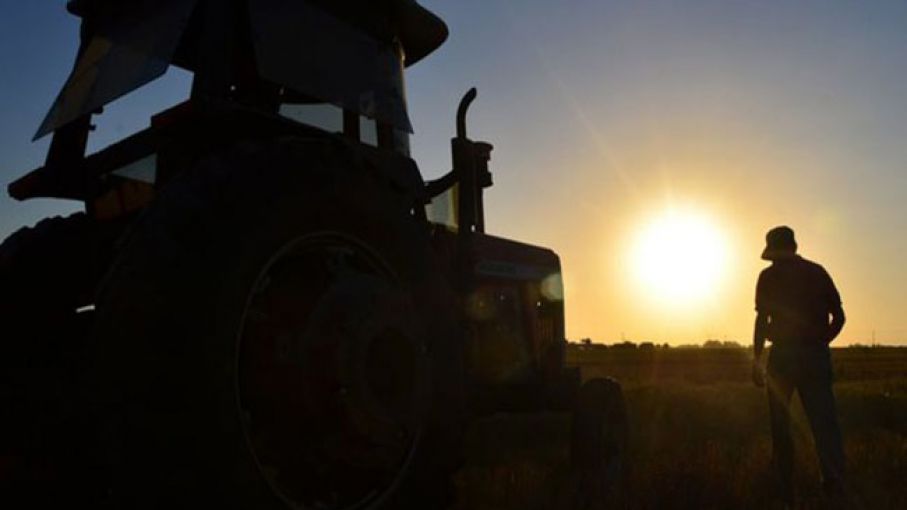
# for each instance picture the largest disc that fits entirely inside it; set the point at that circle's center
(798, 295)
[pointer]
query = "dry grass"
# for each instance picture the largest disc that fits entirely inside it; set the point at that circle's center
(700, 441)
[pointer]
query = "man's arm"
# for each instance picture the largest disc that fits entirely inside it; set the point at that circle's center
(760, 330)
(760, 333)
(834, 309)
(837, 323)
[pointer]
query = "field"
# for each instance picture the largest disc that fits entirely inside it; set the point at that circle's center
(700, 436)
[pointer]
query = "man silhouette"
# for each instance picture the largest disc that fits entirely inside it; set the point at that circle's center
(794, 300)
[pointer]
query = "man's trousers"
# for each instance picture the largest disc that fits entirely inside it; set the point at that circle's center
(808, 371)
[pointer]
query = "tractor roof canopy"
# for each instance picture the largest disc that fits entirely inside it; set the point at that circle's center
(347, 52)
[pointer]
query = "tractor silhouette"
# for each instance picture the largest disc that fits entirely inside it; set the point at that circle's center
(256, 310)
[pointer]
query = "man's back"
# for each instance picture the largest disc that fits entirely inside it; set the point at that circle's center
(798, 296)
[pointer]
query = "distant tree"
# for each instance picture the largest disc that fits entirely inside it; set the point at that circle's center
(647, 346)
(718, 344)
(625, 345)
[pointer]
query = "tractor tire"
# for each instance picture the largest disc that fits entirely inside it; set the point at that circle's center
(275, 334)
(599, 435)
(46, 273)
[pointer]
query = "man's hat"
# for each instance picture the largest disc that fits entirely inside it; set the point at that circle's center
(779, 244)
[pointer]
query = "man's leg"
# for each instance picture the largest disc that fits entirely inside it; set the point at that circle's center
(780, 389)
(819, 404)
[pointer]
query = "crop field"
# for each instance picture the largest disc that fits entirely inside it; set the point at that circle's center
(699, 436)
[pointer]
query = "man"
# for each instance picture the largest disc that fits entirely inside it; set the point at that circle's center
(794, 300)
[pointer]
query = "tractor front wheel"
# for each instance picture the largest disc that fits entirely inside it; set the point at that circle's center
(598, 447)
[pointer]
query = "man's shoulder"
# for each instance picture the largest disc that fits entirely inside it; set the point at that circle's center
(768, 280)
(764, 275)
(815, 267)
(770, 272)
(788, 269)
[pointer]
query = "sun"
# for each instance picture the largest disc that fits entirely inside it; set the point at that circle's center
(679, 258)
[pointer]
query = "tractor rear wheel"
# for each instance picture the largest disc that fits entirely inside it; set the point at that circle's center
(599, 435)
(272, 336)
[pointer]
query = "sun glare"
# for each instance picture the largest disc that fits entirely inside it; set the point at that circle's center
(679, 258)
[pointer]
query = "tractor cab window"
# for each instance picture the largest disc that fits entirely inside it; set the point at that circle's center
(330, 118)
(321, 115)
(401, 141)
(314, 53)
(442, 209)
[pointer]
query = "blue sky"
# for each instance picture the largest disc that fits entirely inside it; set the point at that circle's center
(603, 114)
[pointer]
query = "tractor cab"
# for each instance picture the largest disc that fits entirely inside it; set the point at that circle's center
(337, 65)
(264, 304)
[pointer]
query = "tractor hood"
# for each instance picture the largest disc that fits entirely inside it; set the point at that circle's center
(338, 51)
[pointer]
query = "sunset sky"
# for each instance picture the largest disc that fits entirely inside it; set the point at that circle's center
(606, 116)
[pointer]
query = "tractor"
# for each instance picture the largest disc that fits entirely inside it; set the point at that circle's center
(264, 304)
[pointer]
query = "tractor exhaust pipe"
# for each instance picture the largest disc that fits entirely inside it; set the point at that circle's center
(470, 166)
(465, 103)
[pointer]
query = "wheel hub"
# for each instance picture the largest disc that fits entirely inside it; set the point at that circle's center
(332, 384)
